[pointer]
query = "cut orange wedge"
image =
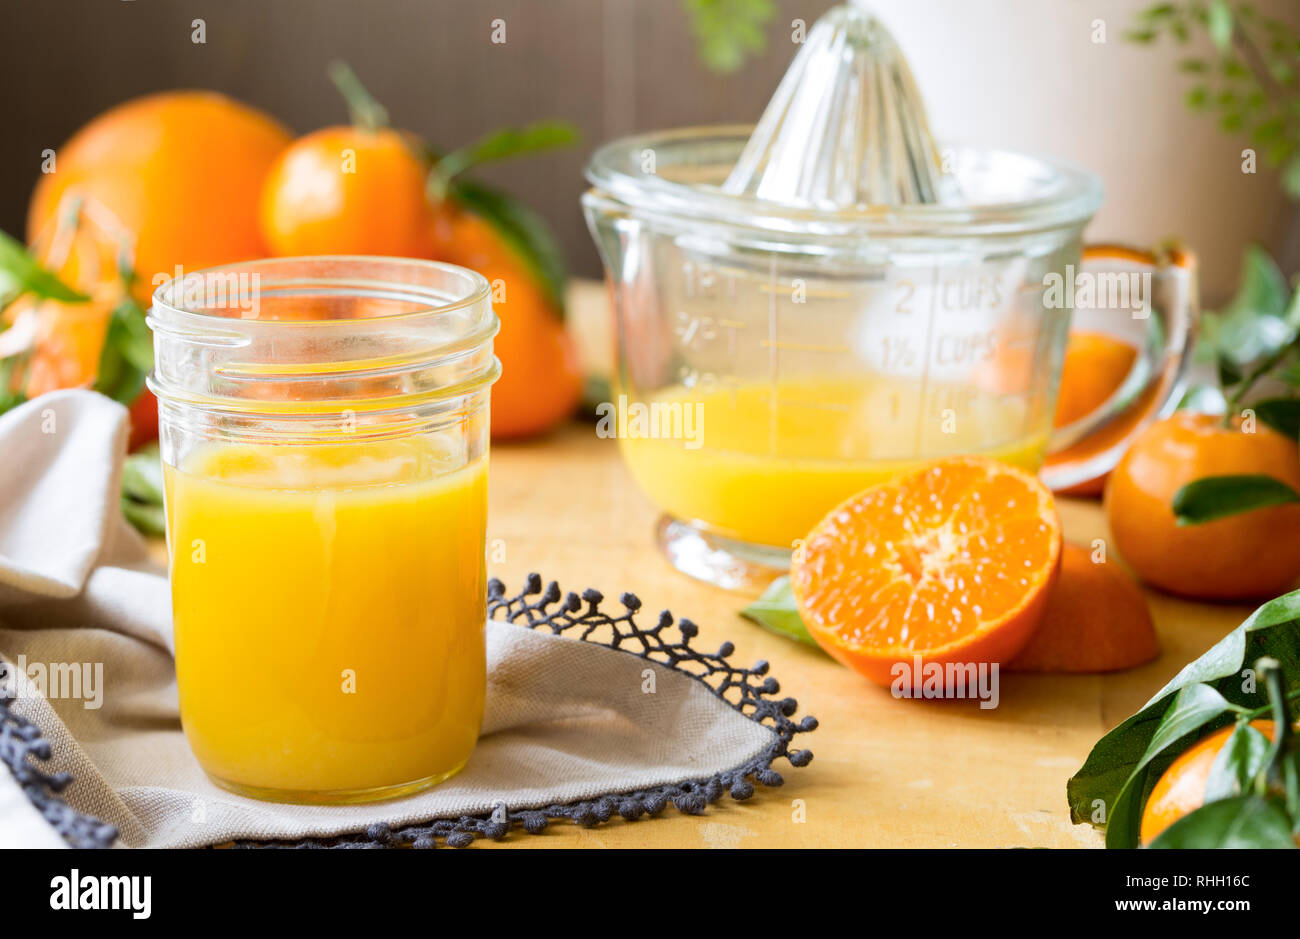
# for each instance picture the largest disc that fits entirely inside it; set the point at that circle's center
(951, 563)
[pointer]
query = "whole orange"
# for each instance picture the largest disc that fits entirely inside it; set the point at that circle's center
(1095, 366)
(1247, 555)
(181, 171)
(348, 190)
(1181, 788)
(541, 380)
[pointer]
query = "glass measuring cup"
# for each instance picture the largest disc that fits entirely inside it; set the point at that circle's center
(774, 359)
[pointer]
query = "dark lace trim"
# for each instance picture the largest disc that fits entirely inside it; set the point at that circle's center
(747, 690)
(21, 742)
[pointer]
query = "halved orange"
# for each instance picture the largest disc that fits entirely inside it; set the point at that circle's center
(952, 563)
(1096, 620)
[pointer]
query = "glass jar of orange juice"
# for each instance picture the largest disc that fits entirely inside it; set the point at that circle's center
(324, 433)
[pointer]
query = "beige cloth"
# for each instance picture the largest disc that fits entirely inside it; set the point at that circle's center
(566, 720)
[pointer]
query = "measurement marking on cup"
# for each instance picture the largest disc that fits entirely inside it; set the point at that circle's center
(925, 362)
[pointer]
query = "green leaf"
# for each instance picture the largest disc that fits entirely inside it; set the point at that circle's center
(1254, 322)
(1157, 11)
(1262, 287)
(142, 475)
(1192, 708)
(776, 612)
(1220, 24)
(10, 397)
(142, 490)
(1233, 68)
(1204, 500)
(1267, 131)
(502, 145)
(523, 229)
(1240, 822)
(1238, 763)
(1229, 372)
(1282, 414)
(1198, 98)
(1289, 373)
(1121, 768)
(23, 274)
(727, 32)
(149, 519)
(127, 355)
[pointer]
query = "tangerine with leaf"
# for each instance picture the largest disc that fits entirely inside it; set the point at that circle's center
(368, 188)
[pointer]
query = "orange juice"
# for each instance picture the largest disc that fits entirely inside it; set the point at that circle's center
(771, 459)
(329, 614)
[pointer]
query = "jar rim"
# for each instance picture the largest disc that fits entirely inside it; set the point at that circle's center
(477, 289)
(214, 355)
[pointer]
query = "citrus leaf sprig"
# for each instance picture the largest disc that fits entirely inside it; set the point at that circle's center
(1252, 81)
(1253, 342)
(1111, 788)
(1252, 796)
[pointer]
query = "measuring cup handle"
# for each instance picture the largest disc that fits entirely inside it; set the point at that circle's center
(1083, 452)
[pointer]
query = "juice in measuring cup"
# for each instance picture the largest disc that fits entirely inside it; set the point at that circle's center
(329, 614)
(771, 459)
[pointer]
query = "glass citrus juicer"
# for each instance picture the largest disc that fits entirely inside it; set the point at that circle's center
(828, 298)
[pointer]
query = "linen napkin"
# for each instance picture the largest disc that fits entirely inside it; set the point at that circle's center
(79, 597)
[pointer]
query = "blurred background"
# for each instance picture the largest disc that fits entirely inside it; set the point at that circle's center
(1025, 74)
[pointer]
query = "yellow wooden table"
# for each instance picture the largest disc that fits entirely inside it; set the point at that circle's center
(886, 773)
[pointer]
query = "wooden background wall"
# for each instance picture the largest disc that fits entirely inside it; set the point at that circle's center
(610, 66)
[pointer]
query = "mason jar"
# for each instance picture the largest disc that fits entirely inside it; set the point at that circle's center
(324, 431)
